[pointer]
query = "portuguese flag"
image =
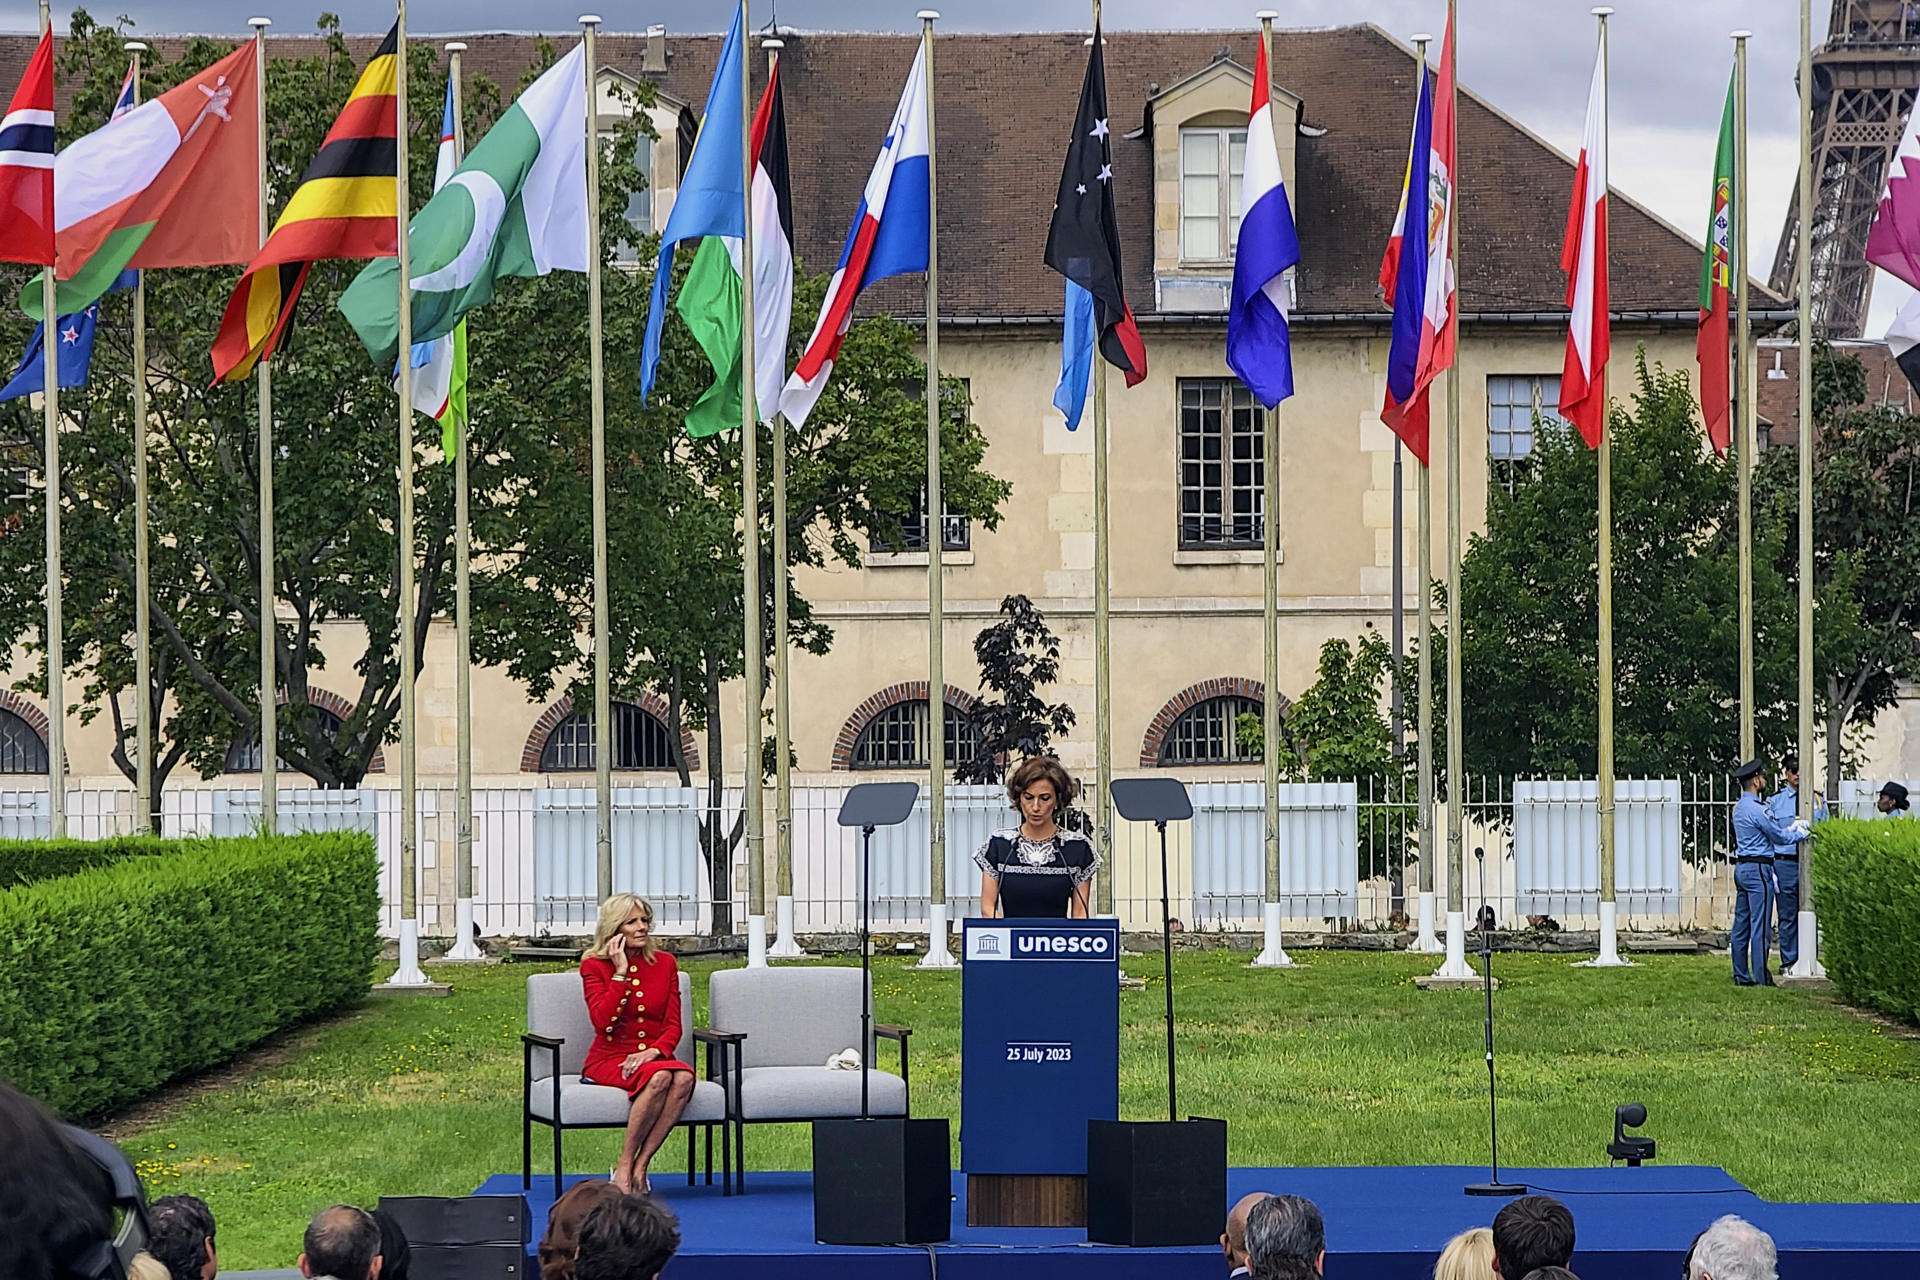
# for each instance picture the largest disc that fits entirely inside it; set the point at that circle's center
(1716, 279)
(172, 183)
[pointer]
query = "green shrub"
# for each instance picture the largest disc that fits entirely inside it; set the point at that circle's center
(24, 861)
(118, 978)
(1866, 880)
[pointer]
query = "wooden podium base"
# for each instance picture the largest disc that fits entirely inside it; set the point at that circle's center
(1026, 1200)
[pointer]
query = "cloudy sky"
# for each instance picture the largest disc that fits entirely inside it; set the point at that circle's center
(1531, 58)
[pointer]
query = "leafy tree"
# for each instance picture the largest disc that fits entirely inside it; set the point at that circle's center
(1019, 656)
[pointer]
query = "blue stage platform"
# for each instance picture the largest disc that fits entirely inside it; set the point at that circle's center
(1382, 1224)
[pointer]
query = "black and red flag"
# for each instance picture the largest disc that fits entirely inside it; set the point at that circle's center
(1083, 244)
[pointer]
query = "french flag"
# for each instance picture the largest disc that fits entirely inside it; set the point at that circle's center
(1584, 259)
(888, 238)
(1259, 348)
(26, 163)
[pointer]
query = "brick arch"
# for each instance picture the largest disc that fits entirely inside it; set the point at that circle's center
(651, 703)
(1191, 697)
(328, 700)
(28, 711)
(892, 695)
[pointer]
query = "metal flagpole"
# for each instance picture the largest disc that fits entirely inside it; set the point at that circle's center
(1273, 951)
(1102, 808)
(408, 974)
(754, 652)
(465, 946)
(1454, 966)
(263, 380)
(56, 654)
(142, 586)
(1426, 941)
(1808, 965)
(785, 945)
(1609, 953)
(1743, 389)
(937, 957)
(602, 652)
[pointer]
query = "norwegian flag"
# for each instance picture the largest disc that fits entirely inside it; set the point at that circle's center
(26, 164)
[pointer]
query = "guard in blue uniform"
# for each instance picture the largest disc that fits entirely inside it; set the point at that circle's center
(1756, 832)
(1785, 808)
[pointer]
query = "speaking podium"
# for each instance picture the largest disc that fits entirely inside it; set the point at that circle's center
(1040, 1057)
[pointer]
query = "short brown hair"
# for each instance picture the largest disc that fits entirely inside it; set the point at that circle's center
(1042, 769)
(562, 1241)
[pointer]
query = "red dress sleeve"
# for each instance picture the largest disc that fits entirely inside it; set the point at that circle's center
(669, 1037)
(604, 995)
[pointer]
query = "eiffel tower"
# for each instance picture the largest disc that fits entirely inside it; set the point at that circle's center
(1865, 77)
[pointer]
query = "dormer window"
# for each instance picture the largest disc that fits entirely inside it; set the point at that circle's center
(1212, 161)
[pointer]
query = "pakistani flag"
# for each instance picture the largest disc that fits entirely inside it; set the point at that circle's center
(516, 206)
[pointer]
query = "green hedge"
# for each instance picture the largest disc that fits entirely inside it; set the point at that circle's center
(120, 977)
(1866, 882)
(24, 861)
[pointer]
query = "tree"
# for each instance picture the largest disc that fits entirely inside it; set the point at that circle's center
(1019, 656)
(1866, 495)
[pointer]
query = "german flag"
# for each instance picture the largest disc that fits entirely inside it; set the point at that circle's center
(343, 208)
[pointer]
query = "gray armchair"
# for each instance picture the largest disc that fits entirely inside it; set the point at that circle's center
(785, 1024)
(552, 1093)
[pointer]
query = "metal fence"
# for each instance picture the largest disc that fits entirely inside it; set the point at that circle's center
(1350, 853)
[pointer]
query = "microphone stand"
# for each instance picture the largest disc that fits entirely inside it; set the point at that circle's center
(866, 967)
(1493, 1186)
(1166, 955)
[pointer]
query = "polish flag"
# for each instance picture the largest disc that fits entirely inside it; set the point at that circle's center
(1584, 259)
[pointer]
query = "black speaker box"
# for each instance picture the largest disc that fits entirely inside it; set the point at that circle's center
(1154, 1183)
(882, 1181)
(460, 1220)
(467, 1262)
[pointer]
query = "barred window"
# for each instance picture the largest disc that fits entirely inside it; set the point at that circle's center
(1222, 465)
(1516, 405)
(897, 737)
(1204, 734)
(641, 740)
(908, 531)
(21, 750)
(244, 755)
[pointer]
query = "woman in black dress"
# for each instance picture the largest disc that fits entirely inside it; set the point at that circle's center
(1037, 870)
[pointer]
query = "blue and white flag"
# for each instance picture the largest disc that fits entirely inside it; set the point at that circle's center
(1259, 347)
(74, 355)
(1076, 355)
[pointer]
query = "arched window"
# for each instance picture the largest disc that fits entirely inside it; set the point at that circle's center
(640, 741)
(244, 755)
(1204, 733)
(21, 750)
(896, 737)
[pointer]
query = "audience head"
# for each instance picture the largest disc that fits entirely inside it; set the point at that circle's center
(626, 1238)
(396, 1255)
(1550, 1273)
(145, 1266)
(1733, 1249)
(1286, 1238)
(183, 1237)
(1468, 1256)
(61, 1200)
(343, 1243)
(1233, 1240)
(562, 1240)
(1530, 1233)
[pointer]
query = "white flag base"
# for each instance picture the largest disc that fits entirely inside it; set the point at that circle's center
(1455, 966)
(937, 957)
(409, 974)
(1428, 942)
(756, 942)
(1272, 954)
(1609, 957)
(785, 945)
(465, 947)
(1808, 966)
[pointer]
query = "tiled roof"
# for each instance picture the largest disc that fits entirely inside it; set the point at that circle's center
(1003, 101)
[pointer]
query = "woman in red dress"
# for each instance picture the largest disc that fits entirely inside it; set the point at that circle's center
(633, 998)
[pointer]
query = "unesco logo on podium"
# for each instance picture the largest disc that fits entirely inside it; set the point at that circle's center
(1015, 943)
(990, 945)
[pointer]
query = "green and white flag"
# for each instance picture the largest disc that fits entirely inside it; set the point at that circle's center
(516, 206)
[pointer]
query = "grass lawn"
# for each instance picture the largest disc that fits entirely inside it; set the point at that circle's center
(1342, 1061)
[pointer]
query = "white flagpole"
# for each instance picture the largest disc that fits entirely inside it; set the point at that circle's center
(146, 819)
(1427, 940)
(264, 463)
(465, 946)
(602, 644)
(409, 973)
(754, 652)
(56, 653)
